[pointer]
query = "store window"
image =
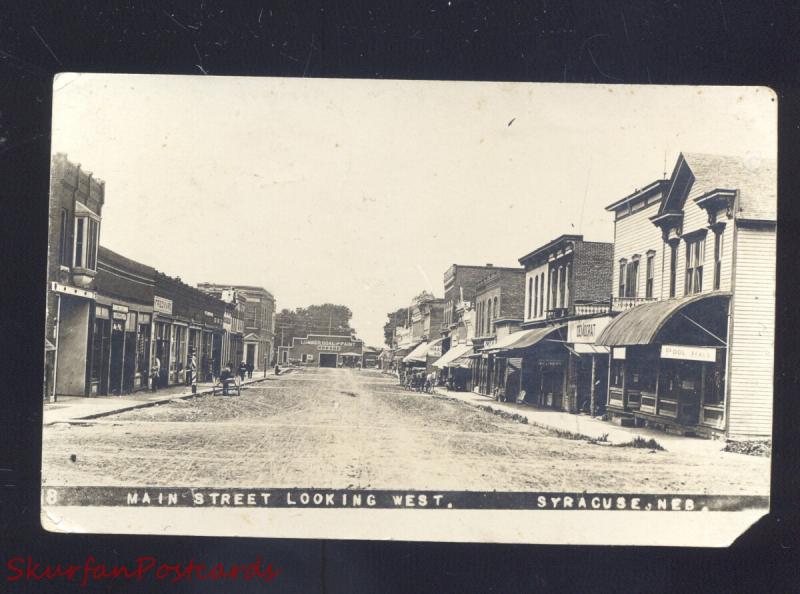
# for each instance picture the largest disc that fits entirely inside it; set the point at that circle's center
(695, 253)
(648, 289)
(642, 371)
(143, 346)
(101, 336)
(715, 381)
(617, 368)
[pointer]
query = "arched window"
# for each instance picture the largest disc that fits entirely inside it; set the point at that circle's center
(541, 294)
(489, 318)
(530, 295)
(496, 310)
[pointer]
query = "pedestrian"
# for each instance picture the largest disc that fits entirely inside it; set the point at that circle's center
(277, 369)
(225, 378)
(191, 369)
(155, 373)
(242, 370)
(249, 371)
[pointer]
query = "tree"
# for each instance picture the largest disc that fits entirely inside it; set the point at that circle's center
(396, 318)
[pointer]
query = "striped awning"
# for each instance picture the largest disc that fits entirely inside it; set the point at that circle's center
(447, 360)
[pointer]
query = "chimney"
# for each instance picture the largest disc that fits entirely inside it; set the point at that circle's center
(489, 265)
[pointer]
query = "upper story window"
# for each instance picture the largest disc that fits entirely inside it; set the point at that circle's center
(63, 238)
(718, 238)
(648, 289)
(534, 310)
(87, 228)
(695, 254)
(541, 294)
(632, 278)
(530, 294)
(673, 268)
(621, 281)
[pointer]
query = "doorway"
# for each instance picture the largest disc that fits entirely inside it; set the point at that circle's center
(117, 355)
(327, 359)
(251, 355)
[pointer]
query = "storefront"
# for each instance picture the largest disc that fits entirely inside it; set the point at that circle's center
(667, 364)
(121, 326)
(587, 366)
(186, 321)
(455, 367)
(529, 366)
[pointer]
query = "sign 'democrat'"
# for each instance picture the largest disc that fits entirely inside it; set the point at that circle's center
(162, 305)
(586, 330)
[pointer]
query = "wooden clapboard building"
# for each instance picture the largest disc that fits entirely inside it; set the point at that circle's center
(691, 346)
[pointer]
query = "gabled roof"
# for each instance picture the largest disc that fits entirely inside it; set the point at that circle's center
(754, 179)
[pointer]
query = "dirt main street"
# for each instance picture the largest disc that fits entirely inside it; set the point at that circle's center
(341, 428)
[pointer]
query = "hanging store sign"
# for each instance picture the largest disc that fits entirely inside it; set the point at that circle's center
(688, 353)
(618, 353)
(162, 305)
(586, 330)
(435, 351)
(119, 308)
(550, 363)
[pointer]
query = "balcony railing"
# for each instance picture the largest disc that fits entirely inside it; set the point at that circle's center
(625, 303)
(592, 308)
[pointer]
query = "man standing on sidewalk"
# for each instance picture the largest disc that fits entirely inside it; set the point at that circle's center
(155, 373)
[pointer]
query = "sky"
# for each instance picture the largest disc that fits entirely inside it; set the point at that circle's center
(363, 192)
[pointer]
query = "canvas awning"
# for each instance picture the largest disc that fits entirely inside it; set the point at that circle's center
(349, 354)
(640, 325)
(420, 354)
(522, 339)
(402, 352)
(464, 362)
(450, 356)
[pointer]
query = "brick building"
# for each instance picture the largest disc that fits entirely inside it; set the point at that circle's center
(259, 322)
(549, 362)
(75, 210)
(499, 297)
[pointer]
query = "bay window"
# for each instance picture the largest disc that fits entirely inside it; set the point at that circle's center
(87, 228)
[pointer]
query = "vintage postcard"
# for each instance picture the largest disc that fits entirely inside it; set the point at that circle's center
(412, 310)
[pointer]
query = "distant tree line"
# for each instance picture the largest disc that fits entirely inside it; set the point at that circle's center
(327, 318)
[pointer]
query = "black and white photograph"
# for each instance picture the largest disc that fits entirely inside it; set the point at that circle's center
(409, 310)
